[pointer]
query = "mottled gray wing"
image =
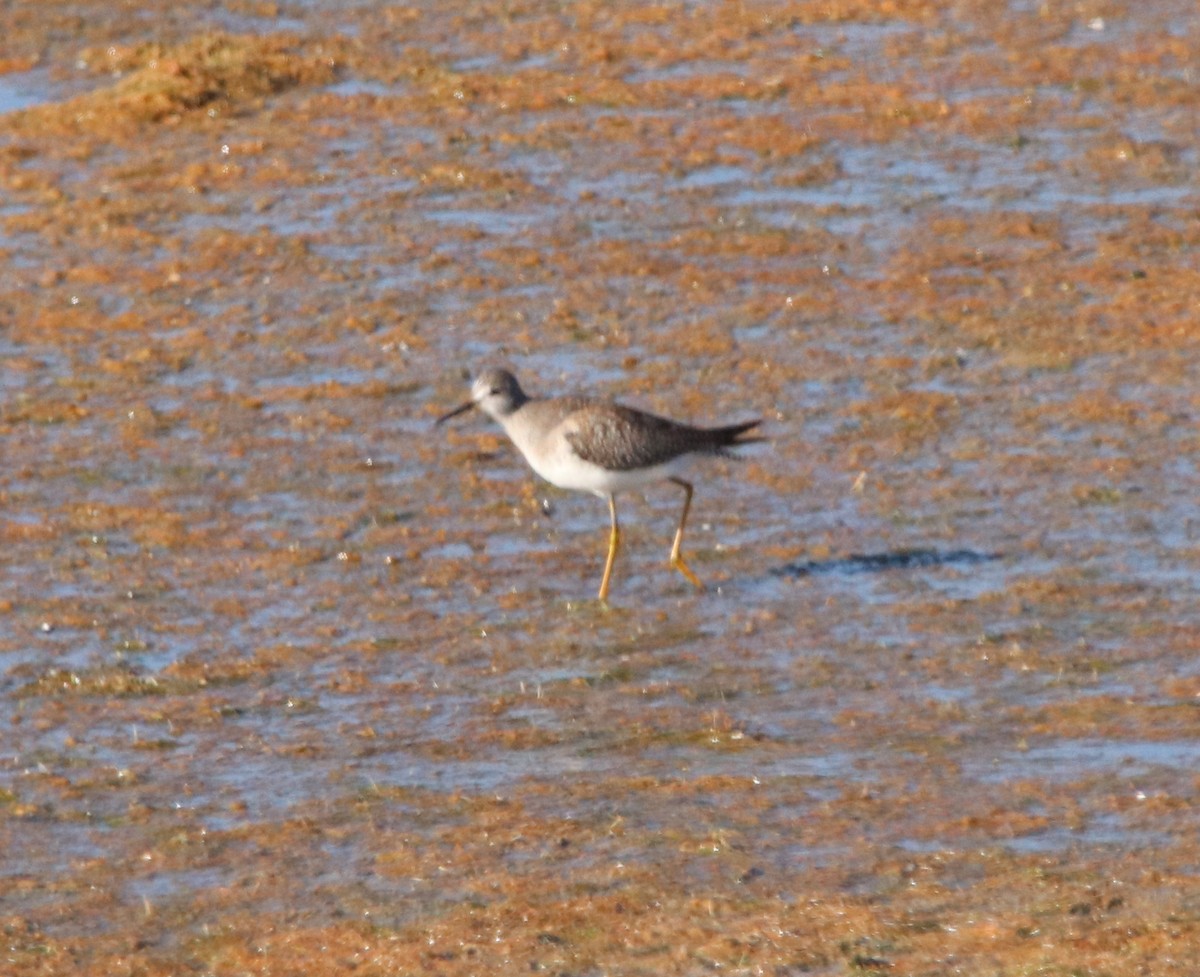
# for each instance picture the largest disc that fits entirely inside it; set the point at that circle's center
(621, 439)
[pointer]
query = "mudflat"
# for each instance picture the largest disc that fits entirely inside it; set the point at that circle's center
(293, 683)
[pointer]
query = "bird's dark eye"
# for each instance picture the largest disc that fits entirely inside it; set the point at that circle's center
(494, 392)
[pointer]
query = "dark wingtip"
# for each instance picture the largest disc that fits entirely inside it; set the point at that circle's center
(733, 436)
(735, 431)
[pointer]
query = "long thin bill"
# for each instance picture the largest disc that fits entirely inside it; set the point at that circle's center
(461, 409)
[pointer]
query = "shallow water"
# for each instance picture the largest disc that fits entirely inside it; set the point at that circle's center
(253, 603)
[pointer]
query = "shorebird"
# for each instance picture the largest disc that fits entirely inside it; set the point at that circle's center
(597, 446)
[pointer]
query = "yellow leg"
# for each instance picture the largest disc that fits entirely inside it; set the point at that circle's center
(614, 538)
(676, 558)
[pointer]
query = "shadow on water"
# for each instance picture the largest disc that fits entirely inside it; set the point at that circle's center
(906, 559)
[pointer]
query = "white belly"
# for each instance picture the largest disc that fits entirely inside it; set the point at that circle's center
(572, 472)
(552, 457)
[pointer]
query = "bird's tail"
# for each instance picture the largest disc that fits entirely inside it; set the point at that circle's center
(723, 438)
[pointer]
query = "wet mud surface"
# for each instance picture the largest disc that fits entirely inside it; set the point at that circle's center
(291, 682)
